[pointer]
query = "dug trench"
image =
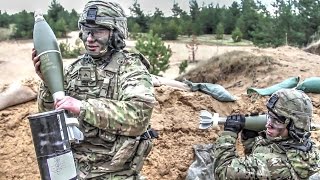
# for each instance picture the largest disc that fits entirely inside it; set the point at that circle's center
(176, 114)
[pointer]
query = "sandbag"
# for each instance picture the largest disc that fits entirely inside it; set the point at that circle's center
(159, 81)
(215, 90)
(15, 94)
(288, 83)
(310, 85)
(202, 167)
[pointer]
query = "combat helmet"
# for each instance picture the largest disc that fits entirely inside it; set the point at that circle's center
(294, 108)
(109, 15)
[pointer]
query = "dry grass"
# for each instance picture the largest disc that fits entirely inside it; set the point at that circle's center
(210, 39)
(228, 66)
(313, 48)
(4, 34)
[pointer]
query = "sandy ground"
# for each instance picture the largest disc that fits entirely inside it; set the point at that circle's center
(176, 115)
(17, 54)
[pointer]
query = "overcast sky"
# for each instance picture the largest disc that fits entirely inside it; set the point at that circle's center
(13, 6)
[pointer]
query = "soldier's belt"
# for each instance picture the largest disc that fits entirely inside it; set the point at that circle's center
(149, 134)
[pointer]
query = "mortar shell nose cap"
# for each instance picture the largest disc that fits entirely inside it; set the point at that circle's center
(38, 15)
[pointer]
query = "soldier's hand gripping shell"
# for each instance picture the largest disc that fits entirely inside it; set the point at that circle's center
(36, 63)
(69, 103)
(234, 123)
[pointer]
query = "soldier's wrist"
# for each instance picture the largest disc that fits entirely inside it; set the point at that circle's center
(83, 108)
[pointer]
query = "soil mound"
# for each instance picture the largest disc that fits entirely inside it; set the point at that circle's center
(313, 48)
(228, 66)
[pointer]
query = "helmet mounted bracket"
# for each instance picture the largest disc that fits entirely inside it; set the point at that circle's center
(92, 15)
(271, 104)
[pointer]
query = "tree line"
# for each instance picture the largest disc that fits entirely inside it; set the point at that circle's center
(21, 24)
(292, 22)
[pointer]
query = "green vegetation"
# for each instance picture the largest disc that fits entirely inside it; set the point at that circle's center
(21, 23)
(167, 31)
(183, 66)
(71, 52)
(237, 35)
(60, 20)
(22, 27)
(219, 31)
(292, 22)
(153, 48)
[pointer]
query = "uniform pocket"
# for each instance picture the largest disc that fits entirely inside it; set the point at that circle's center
(126, 152)
(106, 136)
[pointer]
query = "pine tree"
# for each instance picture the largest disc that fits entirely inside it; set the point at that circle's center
(153, 48)
(219, 31)
(237, 35)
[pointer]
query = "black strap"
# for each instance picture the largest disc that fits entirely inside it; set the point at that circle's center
(304, 146)
(149, 134)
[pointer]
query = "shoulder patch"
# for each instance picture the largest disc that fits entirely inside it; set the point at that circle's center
(142, 59)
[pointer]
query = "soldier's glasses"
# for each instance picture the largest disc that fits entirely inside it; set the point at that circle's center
(97, 32)
(274, 121)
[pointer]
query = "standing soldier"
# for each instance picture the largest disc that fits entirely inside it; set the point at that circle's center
(111, 93)
(283, 151)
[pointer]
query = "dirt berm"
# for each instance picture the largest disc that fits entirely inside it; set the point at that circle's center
(176, 115)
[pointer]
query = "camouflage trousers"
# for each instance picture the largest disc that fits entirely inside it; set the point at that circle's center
(111, 176)
(84, 174)
(103, 170)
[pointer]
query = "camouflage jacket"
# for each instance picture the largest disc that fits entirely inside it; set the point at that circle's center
(268, 160)
(117, 101)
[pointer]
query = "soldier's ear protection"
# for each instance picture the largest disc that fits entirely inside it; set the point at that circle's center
(117, 40)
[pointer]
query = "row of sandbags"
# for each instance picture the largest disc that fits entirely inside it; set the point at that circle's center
(309, 85)
(215, 90)
(17, 93)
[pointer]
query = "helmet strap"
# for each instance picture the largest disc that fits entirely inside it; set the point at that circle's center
(117, 40)
(298, 134)
(109, 43)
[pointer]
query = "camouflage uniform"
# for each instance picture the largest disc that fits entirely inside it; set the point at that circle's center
(117, 98)
(117, 106)
(287, 158)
